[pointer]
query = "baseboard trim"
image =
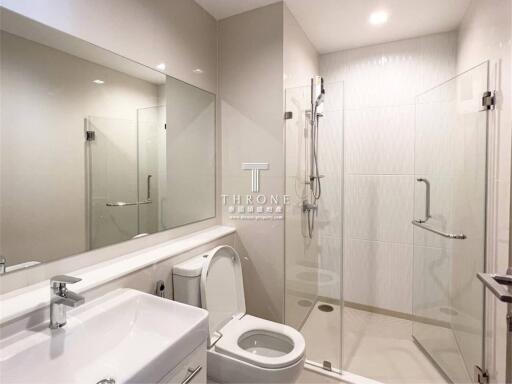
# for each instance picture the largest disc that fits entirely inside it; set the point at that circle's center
(386, 312)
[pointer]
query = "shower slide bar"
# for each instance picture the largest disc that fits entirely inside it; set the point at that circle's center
(456, 236)
(124, 204)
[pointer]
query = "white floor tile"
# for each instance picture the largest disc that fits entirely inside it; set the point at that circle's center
(375, 346)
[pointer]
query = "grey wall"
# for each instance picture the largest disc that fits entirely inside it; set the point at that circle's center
(301, 60)
(251, 109)
(261, 52)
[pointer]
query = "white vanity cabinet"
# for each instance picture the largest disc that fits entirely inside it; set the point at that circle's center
(191, 370)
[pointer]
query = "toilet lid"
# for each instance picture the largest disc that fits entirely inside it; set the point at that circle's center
(222, 288)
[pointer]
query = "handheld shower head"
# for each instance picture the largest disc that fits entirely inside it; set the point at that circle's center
(318, 92)
(320, 98)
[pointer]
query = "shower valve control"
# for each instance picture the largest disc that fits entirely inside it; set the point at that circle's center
(306, 207)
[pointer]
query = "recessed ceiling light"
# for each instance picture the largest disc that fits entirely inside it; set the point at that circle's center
(161, 67)
(198, 70)
(98, 81)
(378, 17)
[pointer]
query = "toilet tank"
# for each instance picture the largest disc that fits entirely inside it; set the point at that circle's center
(186, 277)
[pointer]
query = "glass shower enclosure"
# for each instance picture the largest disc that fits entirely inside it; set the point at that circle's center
(449, 237)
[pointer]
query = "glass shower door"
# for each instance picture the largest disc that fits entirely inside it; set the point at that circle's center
(112, 181)
(126, 163)
(449, 222)
(313, 302)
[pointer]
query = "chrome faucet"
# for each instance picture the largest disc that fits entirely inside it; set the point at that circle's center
(3, 262)
(62, 298)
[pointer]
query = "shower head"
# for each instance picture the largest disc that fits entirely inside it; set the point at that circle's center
(320, 98)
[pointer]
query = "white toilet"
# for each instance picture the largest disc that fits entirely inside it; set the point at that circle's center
(242, 348)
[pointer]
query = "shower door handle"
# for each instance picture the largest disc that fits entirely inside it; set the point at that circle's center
(455, 236)
(427, 199)
(148, 191)
(125, 204)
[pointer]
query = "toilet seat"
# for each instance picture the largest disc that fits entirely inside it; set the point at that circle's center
(268, 344)
(274, 345)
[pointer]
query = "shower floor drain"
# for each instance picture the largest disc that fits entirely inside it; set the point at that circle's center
(448, 311)
(305, 303)
(325, 308)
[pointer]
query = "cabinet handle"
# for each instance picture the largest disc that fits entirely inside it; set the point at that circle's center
(192, 372)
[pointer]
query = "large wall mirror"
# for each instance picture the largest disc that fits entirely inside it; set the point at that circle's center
(95, 149)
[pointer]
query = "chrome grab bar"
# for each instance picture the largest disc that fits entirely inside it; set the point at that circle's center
(419, 223)
(124, 204)
(148, 187)
(427, 199)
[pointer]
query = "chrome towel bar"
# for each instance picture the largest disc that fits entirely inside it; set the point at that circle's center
(124, 204)
(459, 236)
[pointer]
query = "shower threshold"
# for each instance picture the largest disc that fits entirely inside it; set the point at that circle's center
(337, 375)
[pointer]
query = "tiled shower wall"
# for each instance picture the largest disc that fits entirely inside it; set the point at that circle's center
(380, 83)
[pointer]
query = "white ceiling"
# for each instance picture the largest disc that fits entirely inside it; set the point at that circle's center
(220, 9)
(334, 25)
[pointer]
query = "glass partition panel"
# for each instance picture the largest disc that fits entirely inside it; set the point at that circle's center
(152, 168)
(449, 222)
(313, 234)
(190, 154)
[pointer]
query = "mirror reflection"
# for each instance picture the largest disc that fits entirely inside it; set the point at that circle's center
(95, 149)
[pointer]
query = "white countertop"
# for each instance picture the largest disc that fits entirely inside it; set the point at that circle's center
(28, 299)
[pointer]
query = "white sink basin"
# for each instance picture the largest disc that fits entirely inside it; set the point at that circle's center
(126, 335)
